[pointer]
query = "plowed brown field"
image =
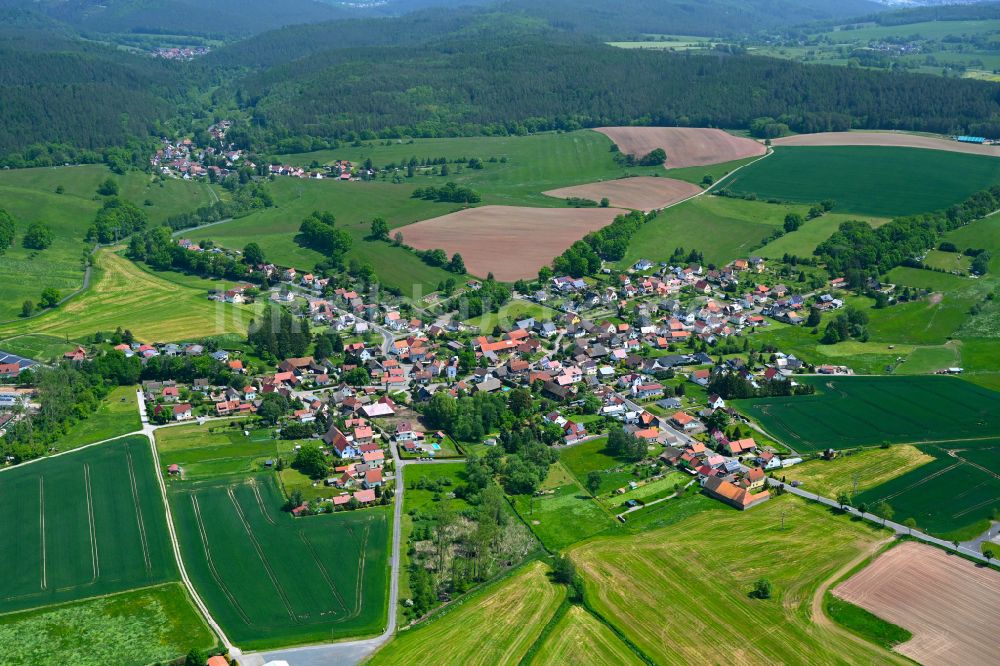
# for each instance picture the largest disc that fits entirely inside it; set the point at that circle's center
(951, 606)
(511, 242)
(885, 139)
(685, 146)
(643, 193)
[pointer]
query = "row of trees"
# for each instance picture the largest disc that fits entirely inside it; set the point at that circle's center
(856, 250)
(448, 193)
(733, 385)
(158, 249)
(584, 257)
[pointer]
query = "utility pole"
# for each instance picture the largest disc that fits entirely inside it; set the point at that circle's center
(857, 478)
(782, 520)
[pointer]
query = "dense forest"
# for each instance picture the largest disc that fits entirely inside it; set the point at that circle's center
(440, 72)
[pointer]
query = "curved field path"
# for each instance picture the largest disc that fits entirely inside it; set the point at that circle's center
(512, 242)
(685, 146)
(643, 193)
(892, 139)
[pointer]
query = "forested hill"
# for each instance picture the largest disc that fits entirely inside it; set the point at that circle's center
(628, 18)
(545, 83)
(62, 90)
(214, 18)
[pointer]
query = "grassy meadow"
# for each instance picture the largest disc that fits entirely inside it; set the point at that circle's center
(117, 415)
(667, 589)
(236, 546)
(868, 411)
(868, 180)
(153, 306)
(515, 610)
(510, 313)
(563, 515)
(869, 468)
(29, 195)
(215, 449)
(85, 524)
(152, 624)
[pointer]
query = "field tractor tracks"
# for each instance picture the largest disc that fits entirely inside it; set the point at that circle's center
(262, 555)
(211, 563)
(322, 570)
(260, 502)
(95, 561)
(41, 528)
(138, 511)
(921, 482)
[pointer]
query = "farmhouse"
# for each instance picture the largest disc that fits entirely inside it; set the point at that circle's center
(732, 494)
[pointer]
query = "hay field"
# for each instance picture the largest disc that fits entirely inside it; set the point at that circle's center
(668, 589)
(950, 605)
(82, 525)
(496, 625)
(580, 639)
(214, 449)
(685, 146)
(829, 478)
(271, 580)
(154, 308)
(896, 139)
(867, 411)
(512, 242)
(643, 193)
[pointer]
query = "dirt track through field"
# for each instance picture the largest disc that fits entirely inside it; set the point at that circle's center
(895, 139)
(685, 146)
(950, 605)
(643, 193)
(511, 242)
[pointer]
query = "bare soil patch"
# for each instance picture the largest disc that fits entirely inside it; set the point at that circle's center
(951, 606)
(685, 146)
(643, 193)
(512, 242)
(896, 139)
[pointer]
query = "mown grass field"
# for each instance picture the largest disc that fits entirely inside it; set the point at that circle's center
(214, 450)
(117, 415)
(564, 517)
(580, 638)
(496, 625)
(29, 195)
(954, 496)
(867, 411)
(870, 468)
(806, 238)
(152, 624)
(721, 228)
(668, 589)
(152, 307)
(581, 459)
(271, 580)
(44, 348)
(868, 180)
(81, 525)
(511, 313)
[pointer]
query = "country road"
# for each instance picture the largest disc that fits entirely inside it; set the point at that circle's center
(898, 528)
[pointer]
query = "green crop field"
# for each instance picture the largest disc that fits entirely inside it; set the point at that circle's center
(117, 415)
(866, 411)
(954, 496)
(868, 180)
(495, 625)
(272, 580)
(152, 624)
(152, 307)
(214, 450)
(81, 525)
(580, 638)
(667, 589)
(29, 195)
(721, 228)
